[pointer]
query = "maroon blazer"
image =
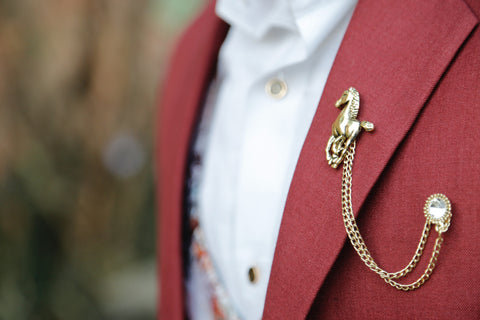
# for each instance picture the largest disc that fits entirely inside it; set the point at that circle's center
(416, 65)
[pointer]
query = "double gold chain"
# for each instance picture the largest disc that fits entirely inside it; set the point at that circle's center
(360, 247)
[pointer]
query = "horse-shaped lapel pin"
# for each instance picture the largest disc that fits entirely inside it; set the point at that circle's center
(346, 128)
(437, 210)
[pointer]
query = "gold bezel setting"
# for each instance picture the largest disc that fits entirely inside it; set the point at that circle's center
(441, 222)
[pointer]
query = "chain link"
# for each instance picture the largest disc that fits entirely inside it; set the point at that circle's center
(359, 244)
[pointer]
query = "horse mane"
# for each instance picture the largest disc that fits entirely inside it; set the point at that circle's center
(354, 105)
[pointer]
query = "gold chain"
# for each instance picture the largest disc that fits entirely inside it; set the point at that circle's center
(361, 248)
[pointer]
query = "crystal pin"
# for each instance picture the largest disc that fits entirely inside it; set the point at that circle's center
(438, 211)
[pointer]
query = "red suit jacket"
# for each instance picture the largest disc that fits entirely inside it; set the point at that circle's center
(416, 65)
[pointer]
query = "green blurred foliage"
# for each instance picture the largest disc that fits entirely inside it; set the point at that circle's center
(77, 238)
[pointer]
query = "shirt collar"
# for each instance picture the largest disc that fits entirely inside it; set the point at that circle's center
(312, 20)
(256, 17)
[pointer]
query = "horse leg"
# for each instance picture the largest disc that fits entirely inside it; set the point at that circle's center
(345, 147)
(338, 144)
(328, 149)
(368, 126)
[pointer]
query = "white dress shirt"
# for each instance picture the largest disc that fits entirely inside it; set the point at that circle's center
(272, 68)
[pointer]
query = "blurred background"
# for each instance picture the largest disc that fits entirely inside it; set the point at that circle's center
(79, 83)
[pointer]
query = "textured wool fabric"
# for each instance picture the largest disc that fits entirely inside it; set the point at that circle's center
(416, 65)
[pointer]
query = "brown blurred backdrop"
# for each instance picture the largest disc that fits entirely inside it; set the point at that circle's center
(78, 86)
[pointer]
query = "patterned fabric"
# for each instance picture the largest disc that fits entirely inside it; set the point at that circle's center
(220, 302)
(195, 244)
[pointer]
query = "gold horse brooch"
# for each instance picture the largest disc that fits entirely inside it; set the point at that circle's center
(346, 128)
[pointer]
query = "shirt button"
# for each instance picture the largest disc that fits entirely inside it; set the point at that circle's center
(276, 88)
(253, 274)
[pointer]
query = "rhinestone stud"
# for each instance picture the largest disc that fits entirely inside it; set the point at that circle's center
(438, 211)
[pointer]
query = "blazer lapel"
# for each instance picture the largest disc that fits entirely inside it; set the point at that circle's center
(193, 66)
(394, 53)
